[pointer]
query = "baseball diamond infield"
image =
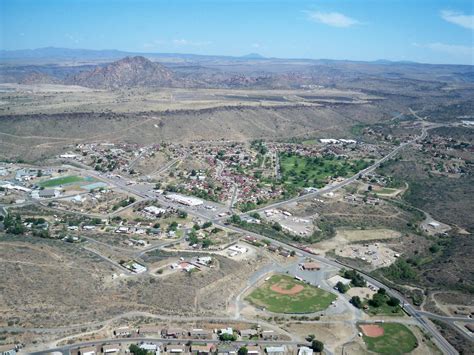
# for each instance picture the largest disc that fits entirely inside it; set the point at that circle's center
(372, 330)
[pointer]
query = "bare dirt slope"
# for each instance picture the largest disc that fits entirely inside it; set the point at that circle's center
(51, 283)
(33, 136)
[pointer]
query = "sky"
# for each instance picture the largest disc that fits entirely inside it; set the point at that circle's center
(428, 31)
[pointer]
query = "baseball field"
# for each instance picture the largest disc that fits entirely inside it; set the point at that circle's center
(388, 338)
(285, 294)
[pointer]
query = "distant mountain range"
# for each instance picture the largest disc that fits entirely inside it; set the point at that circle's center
(55, 55)
(113, 69)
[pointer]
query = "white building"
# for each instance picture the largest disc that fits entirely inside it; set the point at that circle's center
(304, 350)
(154, 210)
(276, 350)
(111, 349)
(185, 200)
(68, 156)
(333, 281)
(137, 268)
(204, 260)
(9, 186)
(150, 347)
(228, 331)
(329, 141)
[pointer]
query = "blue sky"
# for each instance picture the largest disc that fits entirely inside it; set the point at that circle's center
(431, 31)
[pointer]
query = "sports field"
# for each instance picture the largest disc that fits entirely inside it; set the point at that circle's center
(284, 294)
(61, 181)
(388, 338)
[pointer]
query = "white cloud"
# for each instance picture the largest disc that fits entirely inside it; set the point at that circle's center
(256, 45)
(451, 49)
(334, 19)
(466, 21)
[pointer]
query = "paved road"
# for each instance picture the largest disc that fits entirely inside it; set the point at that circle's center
(234, 197)
(446, 318)
(66, 348)
(162, 244)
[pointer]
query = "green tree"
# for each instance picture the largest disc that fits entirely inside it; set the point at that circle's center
(393, 301)
(135, 350)
(227, 337)
(317, 346)
(206, 243)
(356, 302)
(255, 215)
(277, 226)
(243, 351)
(173, 226)
(356, 279)
(377, 300)
(235, 219)
(341, 287)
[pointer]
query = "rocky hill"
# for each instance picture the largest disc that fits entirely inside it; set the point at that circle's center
(125, 73)
(38, 78)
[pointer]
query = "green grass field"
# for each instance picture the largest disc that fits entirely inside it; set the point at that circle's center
(310, 142)
(397, 339)
(310, 299)
(61, 181)
(302, 171)
(385, 310)
(385, 190)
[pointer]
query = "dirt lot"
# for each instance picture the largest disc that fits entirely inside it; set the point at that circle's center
(357, 220)
(370, 234)
(332, 335)
(362, 292)
(455, 304)
(346, 236)
(377, 254)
